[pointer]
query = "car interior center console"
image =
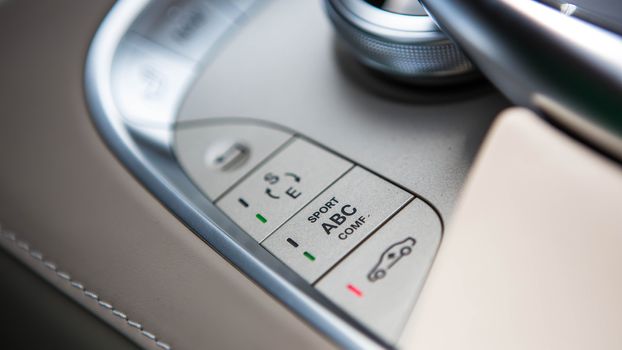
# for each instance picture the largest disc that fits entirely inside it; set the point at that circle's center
(324, 183)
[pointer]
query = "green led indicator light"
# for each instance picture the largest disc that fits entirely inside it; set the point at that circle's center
(309, 256)
(261, 218)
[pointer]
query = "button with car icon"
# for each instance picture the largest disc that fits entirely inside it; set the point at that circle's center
(390, 257)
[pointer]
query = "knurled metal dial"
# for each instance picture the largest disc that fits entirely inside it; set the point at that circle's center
(399, 38)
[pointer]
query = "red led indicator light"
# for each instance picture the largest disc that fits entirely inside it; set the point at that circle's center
(355, 290)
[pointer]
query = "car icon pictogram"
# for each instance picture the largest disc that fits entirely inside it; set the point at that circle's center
(390, 257)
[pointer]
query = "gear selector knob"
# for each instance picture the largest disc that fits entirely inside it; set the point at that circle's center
(398, 37)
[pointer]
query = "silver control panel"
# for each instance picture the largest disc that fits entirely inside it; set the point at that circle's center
(219, 155)
(364, 242)
(257, 134)
(281, 186)
(379, 281)
(335, 222)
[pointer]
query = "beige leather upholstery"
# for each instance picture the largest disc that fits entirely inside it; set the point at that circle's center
(532, 258)
(64, 192)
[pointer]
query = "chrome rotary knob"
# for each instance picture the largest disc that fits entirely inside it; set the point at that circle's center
(399, 38)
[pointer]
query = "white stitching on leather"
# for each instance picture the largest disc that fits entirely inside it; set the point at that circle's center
(149, 335)
(135, 324)
(119, 314)
(163, 345)
(105, 304)
(50, 265)
(63, 275)
(91, 295)
(35, 254)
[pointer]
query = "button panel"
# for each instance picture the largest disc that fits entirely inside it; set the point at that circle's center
(280, 187)
(335, 222)
(155, 62)
(362, 241)
(318, 213)
(217, 155)
(379, 282)
(148, 81)
(188, 27)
